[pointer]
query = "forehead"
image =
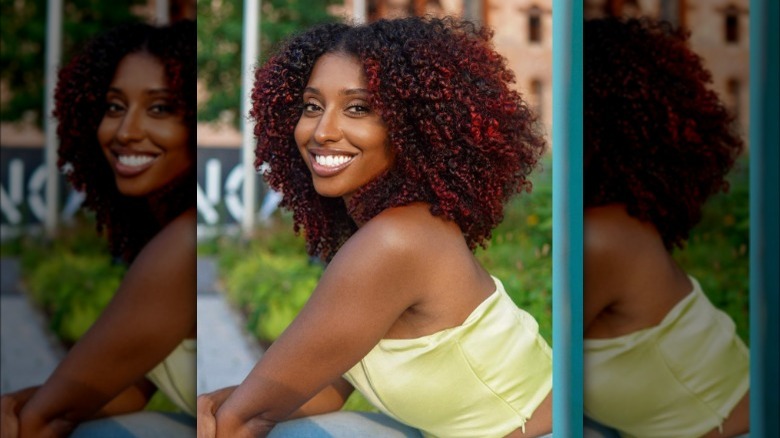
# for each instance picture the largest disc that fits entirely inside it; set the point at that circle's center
(139, 71)
(337, 70)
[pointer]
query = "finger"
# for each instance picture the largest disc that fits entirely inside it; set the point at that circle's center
(207, 423)
(9, 422)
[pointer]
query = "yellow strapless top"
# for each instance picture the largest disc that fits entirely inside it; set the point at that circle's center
(483, 378)
(680, 378)
(176, 376)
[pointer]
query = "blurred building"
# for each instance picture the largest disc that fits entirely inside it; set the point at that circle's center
(720, 31)
(522, 34)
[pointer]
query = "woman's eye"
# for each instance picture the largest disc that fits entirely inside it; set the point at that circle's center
(358, 109)
(114, 108)
(161, 109)
(311, 107)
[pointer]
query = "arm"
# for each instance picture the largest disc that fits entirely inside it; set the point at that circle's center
(131, 399)
(151, 312)
(330, 399)
(372, 280)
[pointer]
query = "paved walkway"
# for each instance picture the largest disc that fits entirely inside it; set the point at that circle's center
(226, 351)
(28, 353)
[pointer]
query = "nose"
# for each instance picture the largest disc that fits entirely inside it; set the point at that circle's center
(131, 129)
(328, 129)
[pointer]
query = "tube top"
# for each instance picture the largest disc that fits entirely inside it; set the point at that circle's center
(483, 378)
(176, 376)
(680, 378)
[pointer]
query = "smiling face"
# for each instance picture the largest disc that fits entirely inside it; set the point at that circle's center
(342, 140)
(143, 134)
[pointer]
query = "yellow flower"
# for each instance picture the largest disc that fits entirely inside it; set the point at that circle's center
(532, 219)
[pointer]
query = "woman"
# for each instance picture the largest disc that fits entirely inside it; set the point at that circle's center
(126, 111)
(660, 359)
(396, 145)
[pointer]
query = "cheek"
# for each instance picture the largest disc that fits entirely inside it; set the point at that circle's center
(301, 136)
(105, 132)
(170, 135)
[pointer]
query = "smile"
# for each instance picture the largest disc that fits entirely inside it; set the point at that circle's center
(131, 165)
(329, 165)
(134, 160)
(331, 160)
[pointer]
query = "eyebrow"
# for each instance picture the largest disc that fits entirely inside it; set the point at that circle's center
(347, 92)
(151, 92)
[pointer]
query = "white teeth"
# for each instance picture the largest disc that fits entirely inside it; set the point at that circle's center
(331, 160)
(134, 160)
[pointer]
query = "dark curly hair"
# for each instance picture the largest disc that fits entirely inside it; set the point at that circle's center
(656, 138)
(462, 139)
(79, 106)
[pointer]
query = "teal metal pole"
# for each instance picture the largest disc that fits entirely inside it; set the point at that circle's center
(764, 198)
(567, 218)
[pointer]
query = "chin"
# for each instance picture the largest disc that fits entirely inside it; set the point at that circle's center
(133, 190)
(328, 192)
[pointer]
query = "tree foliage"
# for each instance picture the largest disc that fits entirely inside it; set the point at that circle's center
(23, 43)
(220, 28)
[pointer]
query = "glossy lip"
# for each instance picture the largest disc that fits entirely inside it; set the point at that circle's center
(325, 172)
(130, 171)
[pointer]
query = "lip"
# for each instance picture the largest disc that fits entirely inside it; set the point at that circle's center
(328, 171)
(126, 170)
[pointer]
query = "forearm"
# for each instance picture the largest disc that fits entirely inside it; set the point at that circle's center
(44, 412)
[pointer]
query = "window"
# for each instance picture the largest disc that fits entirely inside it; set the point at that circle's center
(535, 25)
(732, 25)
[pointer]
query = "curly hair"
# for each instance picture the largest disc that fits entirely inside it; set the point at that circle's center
(463, 140)
(656, 138)
(80, 102)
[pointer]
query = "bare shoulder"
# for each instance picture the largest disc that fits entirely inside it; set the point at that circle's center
(615, 248)
(628, 271)
(606, 228)
(410, 229)
(177, 237)
(170, 258)
(611, 234)
(424, 257)
(181, 230)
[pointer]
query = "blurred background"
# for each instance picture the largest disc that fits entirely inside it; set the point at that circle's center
(57, 274)
(254, 274)
(717, 251)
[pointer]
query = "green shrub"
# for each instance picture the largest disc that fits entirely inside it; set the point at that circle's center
(73, 289)
(271, 289)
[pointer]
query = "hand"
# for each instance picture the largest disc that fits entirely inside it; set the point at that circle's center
(9, 419)
(10, 406)
(208, 404)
